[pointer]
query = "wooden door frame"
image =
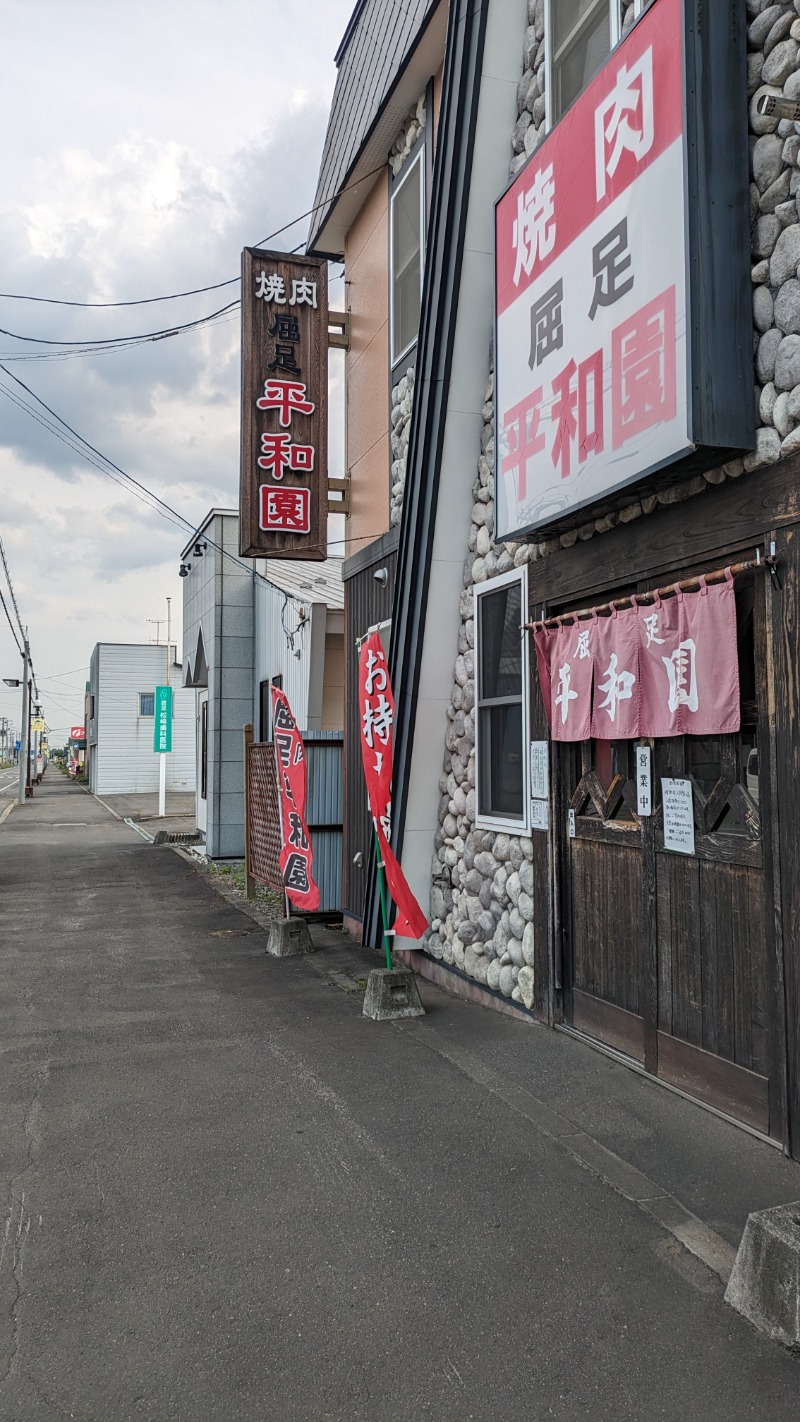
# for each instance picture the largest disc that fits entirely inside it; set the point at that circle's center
(736, 519)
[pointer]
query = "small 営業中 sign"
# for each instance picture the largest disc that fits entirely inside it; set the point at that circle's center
(162, 729)
(644, 783)
(678, 815)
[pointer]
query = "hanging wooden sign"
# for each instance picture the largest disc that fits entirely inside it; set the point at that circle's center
(283, 483)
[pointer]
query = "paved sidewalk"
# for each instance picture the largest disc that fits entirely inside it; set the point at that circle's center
(143, 810)
(232, 1196)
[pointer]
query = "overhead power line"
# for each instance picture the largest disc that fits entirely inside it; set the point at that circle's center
(14, 602)
(76, 445)
(100, 348)
(198, 290)
(10, 623)
(108, 467)
(123, 340)
(106, 305)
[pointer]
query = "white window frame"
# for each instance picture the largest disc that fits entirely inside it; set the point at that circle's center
(497, 822)
(418, 158)
(146, 715)
(615, 7)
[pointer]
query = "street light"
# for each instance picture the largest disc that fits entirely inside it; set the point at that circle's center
(12, 681)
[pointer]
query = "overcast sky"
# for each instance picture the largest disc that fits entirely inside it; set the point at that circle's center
(144, 145)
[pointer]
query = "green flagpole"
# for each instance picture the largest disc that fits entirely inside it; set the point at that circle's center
(387, 942)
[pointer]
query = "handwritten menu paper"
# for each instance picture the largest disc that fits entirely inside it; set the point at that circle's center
(540, 787)
(678, 815)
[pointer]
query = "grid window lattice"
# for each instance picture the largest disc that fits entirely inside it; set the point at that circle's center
(265, 835)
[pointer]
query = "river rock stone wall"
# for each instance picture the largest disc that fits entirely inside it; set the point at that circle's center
(482, 881)
(402, 400)
(413, 126)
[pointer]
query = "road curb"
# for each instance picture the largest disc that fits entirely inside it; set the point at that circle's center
(101, 802)
(7, 811)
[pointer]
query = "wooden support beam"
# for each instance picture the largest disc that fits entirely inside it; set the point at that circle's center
(339, 330)
(339, 486)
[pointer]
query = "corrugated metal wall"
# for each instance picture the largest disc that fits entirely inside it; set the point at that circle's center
(324, 812)
(272, 655)
(366, 602)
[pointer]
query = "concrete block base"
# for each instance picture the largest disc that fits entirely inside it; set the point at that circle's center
(765, 1283)
(392, 992)
(288, 938)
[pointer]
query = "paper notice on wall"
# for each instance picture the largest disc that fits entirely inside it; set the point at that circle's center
(678, 815)
(540, 789)
(540, 815)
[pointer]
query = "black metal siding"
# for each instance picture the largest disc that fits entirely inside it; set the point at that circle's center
(365, 604)
(449, 206)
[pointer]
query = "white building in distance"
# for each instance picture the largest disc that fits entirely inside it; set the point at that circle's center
(123, 677)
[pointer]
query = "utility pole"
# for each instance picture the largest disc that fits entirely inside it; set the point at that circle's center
(25, 729)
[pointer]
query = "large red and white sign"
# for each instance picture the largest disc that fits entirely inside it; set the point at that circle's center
(376, 714)
(665, 668)
(283, 498)
(591, 355)
(297, 854)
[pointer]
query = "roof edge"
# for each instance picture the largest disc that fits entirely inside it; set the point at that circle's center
(212, 513)
(350, 178)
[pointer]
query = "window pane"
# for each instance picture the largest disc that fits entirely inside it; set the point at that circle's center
(500, 777)
(501, 642)
(582, 60)
(406, 260)
(567, 13)
(147, 703)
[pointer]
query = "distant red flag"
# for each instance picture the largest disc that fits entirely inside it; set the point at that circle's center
(376, 716)
(296, 852)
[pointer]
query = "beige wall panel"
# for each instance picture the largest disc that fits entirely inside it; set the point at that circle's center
(367, 370)
(363, 226)
(369, 498)
(333, 687)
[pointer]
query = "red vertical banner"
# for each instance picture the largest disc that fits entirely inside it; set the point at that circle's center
(296, 852)
(376, 716)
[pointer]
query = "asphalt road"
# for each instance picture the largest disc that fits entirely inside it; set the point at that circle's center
(230, 1196)
(9, 783)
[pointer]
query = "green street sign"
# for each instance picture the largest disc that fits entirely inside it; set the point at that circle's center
(162, 730)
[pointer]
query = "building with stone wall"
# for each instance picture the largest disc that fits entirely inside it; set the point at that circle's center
(572, 908)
